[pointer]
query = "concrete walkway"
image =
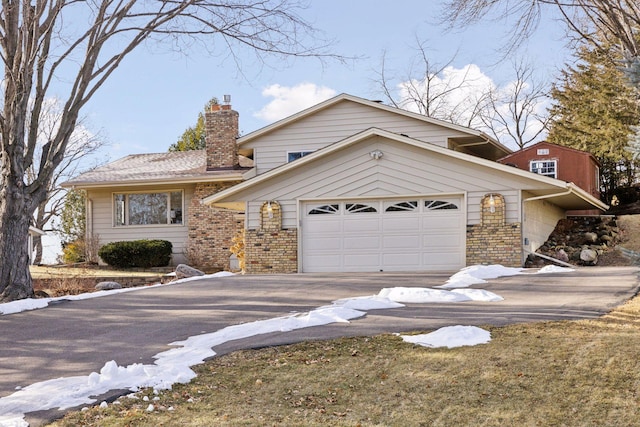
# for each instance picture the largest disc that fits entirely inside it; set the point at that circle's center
(77, 338)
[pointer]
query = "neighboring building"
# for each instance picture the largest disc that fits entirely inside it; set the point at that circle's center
(346, 185)
(556, 161)
(33, 232)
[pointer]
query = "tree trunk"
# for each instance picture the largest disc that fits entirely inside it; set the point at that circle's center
(15, 278)
(37, 245)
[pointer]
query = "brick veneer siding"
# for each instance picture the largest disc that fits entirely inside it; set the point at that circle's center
(211, 230)
(493, 241)
(271, 249)
(221, 125)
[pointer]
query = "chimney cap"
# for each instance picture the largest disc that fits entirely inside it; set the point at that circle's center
(226, 99)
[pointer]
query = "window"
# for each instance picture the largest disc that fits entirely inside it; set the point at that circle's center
(544, 167)
(295, 155)
(359, 208)
(325, 210)
(147, 208)
(402, 206)
(542, 151)
(436, 205)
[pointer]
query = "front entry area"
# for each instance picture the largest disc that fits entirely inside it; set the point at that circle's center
(414, 234)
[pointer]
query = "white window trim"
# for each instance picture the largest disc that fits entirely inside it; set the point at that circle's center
(555, 167)
(302, 152)
(126, 215)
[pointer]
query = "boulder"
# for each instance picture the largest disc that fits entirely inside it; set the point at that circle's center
(589, 256)
(562, 255)
(183, 271)
(108, 286)
(590, 237)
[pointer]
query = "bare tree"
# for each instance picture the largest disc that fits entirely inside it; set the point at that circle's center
(79, 157)
(433, 90)
(516, 113)
(618, 21)
(72, 47)
(512, 113)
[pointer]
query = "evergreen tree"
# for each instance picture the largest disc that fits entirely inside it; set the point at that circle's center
(595, 110)
(194, 137)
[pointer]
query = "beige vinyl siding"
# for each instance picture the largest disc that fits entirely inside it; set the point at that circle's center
(540, 218)
(334, 124)
(403, 170)
(102, 220)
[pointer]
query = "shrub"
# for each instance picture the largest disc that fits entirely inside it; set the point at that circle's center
(73, 252)
(137, 253)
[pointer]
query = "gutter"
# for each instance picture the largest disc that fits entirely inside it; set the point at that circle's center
(548, 196)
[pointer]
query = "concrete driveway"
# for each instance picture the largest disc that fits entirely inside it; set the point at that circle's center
(72, 338)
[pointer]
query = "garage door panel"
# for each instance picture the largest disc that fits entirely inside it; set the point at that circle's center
(400, 222)
(320, 243)
(435, 222)
(331, 225)
(362, 223)
(441, 241)
(362, 242)
(369, 262)
(401, 261)
(407, 242)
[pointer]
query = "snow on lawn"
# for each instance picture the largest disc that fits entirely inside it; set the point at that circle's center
(451, 336)
(174, 365)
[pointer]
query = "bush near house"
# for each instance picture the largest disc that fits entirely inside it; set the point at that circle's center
(137, 253)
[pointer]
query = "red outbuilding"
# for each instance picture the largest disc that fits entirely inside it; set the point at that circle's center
(556, 161)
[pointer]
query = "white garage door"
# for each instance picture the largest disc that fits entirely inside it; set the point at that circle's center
(383, 235)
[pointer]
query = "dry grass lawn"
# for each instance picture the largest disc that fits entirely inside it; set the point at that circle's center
(572, 373)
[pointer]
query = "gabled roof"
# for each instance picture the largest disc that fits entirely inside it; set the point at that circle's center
(157, 168)
(346, 97)
(565, 193)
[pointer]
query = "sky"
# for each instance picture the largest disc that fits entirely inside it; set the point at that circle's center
(155, 95)
(174, 365)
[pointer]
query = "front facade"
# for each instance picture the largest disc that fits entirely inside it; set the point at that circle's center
(347, 185)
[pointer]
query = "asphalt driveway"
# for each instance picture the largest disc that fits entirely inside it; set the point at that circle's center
(78, 337)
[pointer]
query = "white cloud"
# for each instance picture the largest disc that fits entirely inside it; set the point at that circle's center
(289, 100)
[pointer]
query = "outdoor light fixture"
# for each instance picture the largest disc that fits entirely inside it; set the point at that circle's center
(376, 154)
(492, 204)
(269, 209)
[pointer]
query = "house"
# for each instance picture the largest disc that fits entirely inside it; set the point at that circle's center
(33, 233)
(556, 161)
(347, 185)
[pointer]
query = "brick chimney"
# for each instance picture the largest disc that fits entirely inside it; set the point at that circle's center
(221, 123)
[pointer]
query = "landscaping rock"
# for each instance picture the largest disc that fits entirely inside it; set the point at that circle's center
(183, 271)
(108, 286)
(590, 237)
(562, 255)
(589, 256)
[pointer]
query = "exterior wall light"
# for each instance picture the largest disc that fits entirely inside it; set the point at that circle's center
(376, 154)
(492, 204)
(269, 209)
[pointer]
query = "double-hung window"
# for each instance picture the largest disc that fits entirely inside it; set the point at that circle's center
(544, 167)
(160, 208)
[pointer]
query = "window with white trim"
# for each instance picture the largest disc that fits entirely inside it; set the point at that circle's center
(359, 208)
(161, 208)
(295, 155)
(325, 210)
(544, 167)
(437, 205)
(408, 206)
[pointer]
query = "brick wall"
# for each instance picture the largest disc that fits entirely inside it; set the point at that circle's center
(221, 124)
(211, 230)
(271, 249)
(493, 241)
